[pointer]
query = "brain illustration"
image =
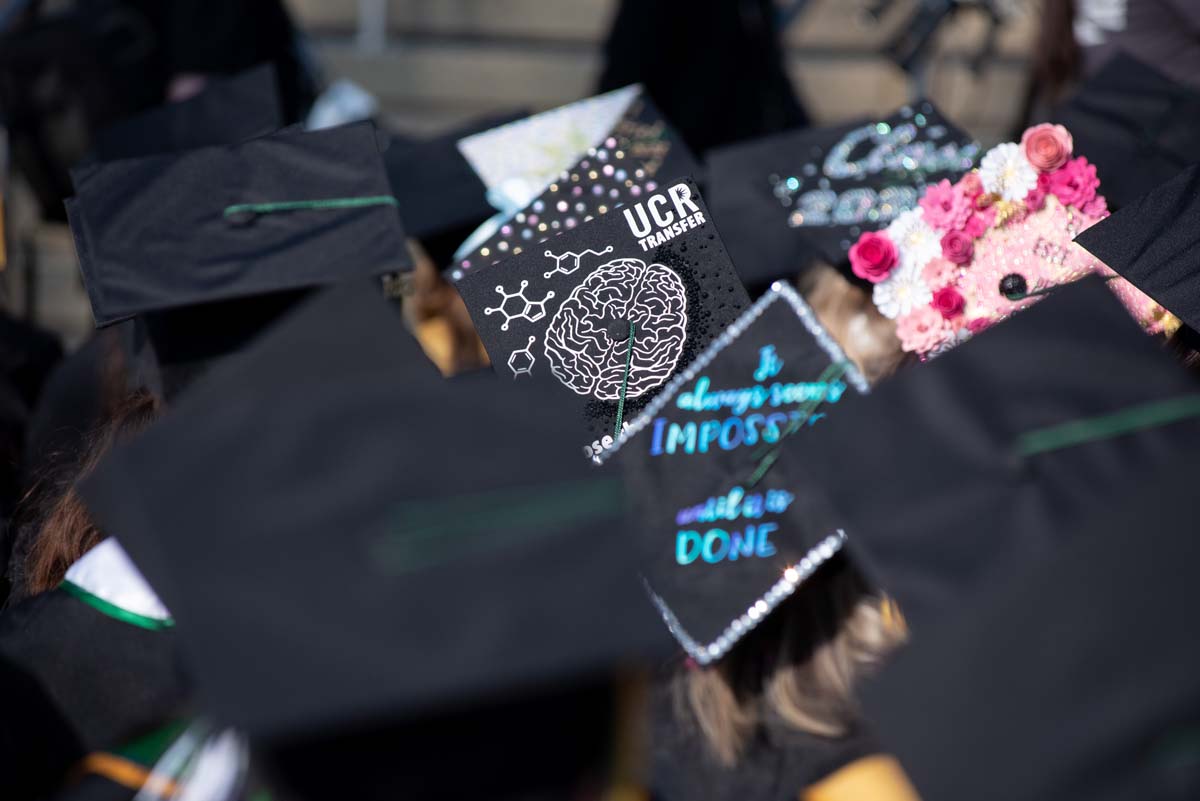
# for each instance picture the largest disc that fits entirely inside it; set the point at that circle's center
(587, 343)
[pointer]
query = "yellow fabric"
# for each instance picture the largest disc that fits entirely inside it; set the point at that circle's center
(873, 778)
(127, 774)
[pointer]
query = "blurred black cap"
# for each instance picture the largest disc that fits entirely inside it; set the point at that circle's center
(1076, 677)
(1135, 124)
(228, 111)
(978, 462)
(787, 199)
(346, 539)
(1154, 243)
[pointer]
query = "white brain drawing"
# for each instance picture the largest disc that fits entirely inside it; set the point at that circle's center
(591, 361)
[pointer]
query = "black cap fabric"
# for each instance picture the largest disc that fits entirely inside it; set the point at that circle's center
(435, 186)
(287, 211)
(1076, 678)
(228, 111)
(718, 547)
(968, 466)
(1136, 125)
(1154, 243)
(786, 199)
(351, 538)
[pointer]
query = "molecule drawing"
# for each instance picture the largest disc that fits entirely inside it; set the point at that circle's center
(531, 310)
(521, 361)
(558, 260)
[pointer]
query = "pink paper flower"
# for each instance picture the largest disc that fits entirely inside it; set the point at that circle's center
(949, 302)
(939, 273)
(1096, 207)
(978, 324)
(1047, 146)
(946, 208)
(1075, 184)
(922, 330)
(957, 247)
(971, 185)
(980, 222)
(1036, 199)
(872, 257)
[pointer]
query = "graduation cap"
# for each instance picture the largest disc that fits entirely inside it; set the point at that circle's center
(228, 111)
(555, 170)
(1152, 242)
(963, 469)
(564, 313)
(207, 245)
(102, 650)
(792, 197)
(718, 547)
(369, 574)
(1139, 127)
(1075, 677)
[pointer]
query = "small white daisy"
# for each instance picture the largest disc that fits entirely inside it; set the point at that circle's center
(916, 243)
(901, 292)
(1006, 172)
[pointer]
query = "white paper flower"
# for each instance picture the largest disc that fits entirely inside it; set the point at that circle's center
(901, 292)
(916, 243)
(1006, 172)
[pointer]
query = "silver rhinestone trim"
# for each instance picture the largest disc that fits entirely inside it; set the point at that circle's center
(779, 289)
(793, 577)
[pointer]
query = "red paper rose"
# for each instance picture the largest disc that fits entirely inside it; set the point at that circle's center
(872, 257)
(958, 247)
(1047, 146)
(949, 301)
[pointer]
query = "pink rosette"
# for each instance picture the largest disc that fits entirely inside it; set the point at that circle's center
(957, 247)
(1047, 146)
(1036, 199)
(948, 302)
(922, 330)
(971, 185)
(1075, 184)
(946, 208)
(939, 273)
(873, 256)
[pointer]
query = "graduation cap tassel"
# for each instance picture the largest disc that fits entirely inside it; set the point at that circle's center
(805, 411)
(241, 213)
(624, 383)
(1092, 429)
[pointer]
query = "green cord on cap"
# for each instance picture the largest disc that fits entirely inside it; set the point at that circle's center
(310, 205)
(624, 383)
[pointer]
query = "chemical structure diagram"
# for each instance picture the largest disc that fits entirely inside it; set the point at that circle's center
(521, 361)
(558, 260)
(516, 306)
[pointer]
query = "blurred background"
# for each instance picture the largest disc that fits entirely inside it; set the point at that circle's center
(434, 64)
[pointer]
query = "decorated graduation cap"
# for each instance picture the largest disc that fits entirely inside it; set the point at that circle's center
(1071, 679)
(1139, 127)
(786, 199)
(961, 471)
(719, 548)
(210, 245)
(229, 110)
(975, 251)
(1154, 243)
(367, 573)
(556, 170)
(607, 312)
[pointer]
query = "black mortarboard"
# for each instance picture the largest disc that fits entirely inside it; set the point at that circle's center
(1154, 243)
(553, 171)
(1136, 125)
(1076, 677)
(785, 199)
(208, 244)
(438, 191)
(389, 544)
(978, 461)
(228, 111)
(718, 548)
(560, 313)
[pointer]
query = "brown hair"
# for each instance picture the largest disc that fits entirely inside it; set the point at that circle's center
(850, 317)
(798, 668)
(439, 318)
(67, 530)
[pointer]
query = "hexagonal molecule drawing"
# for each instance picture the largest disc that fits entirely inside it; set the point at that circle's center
(516, 306)
(559, 259)
(521, 361)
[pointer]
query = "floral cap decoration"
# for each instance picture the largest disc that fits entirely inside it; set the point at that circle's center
(975, 251)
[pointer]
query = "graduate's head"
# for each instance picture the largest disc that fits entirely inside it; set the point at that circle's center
(798, 668)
